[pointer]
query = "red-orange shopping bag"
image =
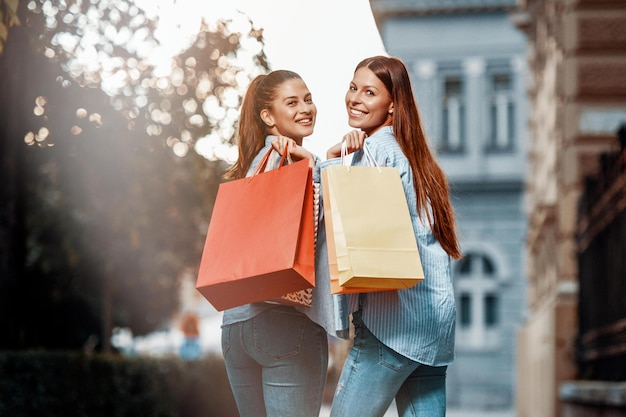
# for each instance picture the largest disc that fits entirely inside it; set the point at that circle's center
(260, 241)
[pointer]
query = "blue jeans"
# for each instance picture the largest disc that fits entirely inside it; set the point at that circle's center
(373, 375)
(276, 363)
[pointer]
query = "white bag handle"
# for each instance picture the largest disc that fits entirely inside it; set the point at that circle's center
(369, 158)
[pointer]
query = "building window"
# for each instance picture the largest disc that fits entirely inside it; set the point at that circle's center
(477, 293)
(465, 302)
(501, 113)
(453, 115)
(491, 310)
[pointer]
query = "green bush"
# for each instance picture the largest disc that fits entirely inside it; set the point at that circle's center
(59, 384)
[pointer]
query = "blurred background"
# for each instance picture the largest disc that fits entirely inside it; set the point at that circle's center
(117, 120)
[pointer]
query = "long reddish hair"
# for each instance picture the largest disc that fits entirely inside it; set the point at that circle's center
(429, 180)
(252, 131)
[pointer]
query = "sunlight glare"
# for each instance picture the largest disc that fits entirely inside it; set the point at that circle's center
(213, 148)
(29, 138)
(180, 149)
(108, 24)
(212, 108)
(179, 23)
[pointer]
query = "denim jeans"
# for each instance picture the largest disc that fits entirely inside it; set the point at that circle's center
(276, 363)
(373, 375)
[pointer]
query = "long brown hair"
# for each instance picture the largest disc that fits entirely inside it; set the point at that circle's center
(252, 131)
(429, 180)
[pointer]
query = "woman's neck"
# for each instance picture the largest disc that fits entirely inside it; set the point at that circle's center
(274, 132)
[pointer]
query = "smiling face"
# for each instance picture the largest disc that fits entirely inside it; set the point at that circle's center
(292, 112)
(368, 102)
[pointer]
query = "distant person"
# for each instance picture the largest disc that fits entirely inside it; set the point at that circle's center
(404, 339)
(276, 355)
(190, 349)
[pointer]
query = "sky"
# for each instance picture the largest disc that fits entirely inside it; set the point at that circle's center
(321, 40)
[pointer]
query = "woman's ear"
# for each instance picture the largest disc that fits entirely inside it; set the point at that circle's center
(390, 111)
(267, 118)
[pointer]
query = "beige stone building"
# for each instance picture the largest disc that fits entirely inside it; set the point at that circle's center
(577, 96)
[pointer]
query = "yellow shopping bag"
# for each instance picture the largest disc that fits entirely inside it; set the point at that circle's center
(371, 243)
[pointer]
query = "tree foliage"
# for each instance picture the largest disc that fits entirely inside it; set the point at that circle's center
(110, 44)
(107, 202)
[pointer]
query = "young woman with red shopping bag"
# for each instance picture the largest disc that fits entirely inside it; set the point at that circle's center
(276, 355)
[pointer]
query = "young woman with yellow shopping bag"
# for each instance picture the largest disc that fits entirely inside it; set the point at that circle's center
(404, 339)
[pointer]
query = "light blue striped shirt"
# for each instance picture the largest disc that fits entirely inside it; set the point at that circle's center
(418, 322)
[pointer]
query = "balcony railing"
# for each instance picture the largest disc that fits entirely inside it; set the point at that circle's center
(601, 350)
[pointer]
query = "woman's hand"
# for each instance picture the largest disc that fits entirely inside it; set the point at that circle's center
(354, 141)
(295, 151)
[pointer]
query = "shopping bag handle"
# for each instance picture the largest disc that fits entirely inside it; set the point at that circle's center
(263, 163)
(370, 160)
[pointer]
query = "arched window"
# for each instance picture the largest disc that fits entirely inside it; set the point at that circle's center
(478, 302)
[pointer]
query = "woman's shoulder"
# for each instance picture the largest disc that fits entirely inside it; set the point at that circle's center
(383, 142)
(382, 139)
(259, 156)
(385, 133)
